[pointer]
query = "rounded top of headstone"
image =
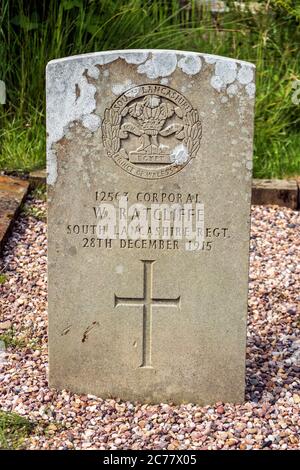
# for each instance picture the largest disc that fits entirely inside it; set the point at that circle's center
(142, 56)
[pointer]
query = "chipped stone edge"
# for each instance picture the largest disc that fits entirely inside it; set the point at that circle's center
(211, 58)
(148, 62)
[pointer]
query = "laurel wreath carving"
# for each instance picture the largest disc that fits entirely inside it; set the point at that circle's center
(191, 133)
(111, 127)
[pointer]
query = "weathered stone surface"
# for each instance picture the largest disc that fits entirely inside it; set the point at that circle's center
(149, 319)
(275, 192)
(12, 193)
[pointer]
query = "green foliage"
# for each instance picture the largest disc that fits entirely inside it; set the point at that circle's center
(3, 278)
(10, 339)
(22, 141)
(13, 430)
(32, 33)
(40, 192)
(33, 211)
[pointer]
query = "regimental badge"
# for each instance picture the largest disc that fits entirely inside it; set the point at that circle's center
(151, 131)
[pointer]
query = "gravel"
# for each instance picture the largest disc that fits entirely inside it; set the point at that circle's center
(270, 416)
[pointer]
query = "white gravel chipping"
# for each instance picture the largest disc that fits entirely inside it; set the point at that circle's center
(270, 416)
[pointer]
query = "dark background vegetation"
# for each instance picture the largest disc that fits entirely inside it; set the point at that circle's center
(266, 33)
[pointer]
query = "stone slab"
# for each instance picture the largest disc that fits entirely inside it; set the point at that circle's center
(38, 177)
(149, 319)
(12, 193)
(275, 192)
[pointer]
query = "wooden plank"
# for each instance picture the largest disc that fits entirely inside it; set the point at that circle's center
(275, 192)
(12, 193)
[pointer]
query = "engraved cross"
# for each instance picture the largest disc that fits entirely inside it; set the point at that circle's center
(147, 302)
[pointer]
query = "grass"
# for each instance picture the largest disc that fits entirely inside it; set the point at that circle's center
(23, 143)
(40, 192)
(32, 33)
(35, 212)
(10, 340)
(13, 430)
(3, 278)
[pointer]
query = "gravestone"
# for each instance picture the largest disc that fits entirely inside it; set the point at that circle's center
(149, 185)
